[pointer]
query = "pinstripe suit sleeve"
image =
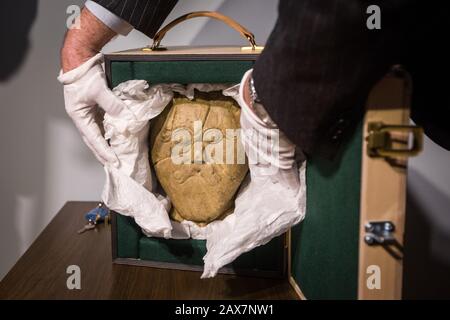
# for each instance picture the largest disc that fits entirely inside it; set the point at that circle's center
(319, 65)
(144, 15)
(115, 23)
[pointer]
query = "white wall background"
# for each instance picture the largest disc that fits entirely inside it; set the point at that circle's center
(44, 163)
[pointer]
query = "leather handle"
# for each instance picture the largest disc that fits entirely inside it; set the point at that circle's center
(211, 14)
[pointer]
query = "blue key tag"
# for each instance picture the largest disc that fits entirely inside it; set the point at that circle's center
(98, 214)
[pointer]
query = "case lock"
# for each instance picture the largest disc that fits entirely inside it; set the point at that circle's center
(381, 141)
(381, 233)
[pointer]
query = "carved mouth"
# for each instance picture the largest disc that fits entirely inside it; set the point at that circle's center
(206, 172)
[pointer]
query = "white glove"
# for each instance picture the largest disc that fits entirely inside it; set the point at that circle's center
(84, 88)
(272, 201)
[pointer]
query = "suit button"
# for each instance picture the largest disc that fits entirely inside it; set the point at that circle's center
(341, 124)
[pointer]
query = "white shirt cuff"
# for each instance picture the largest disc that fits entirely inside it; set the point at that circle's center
(114, 22)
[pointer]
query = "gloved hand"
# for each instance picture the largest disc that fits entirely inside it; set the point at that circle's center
(273, 200)
(85, 88)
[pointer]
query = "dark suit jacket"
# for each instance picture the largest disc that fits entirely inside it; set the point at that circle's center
(321, 61)
(144, 15)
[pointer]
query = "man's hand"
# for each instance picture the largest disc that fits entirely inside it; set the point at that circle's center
(82, 44)
(85, 85)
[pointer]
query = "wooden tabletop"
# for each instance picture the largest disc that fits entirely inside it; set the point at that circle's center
(41, 272)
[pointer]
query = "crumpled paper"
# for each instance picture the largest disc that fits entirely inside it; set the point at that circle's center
(128, 187)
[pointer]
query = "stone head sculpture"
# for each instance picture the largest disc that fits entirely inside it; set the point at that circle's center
(198, 157)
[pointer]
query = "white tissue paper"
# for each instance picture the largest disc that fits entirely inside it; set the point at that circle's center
(128, 188)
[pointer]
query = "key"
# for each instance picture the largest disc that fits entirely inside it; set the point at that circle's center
(87, 227)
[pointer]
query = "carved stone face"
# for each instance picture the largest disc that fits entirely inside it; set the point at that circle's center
(187, 141)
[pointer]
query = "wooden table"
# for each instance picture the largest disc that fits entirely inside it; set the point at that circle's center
(41, 272)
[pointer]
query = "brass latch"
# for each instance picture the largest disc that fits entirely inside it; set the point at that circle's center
(382, 142)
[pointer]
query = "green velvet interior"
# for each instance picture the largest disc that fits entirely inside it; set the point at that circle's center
(180, 71)
(189, 251)
(325, 244)
(128, 235)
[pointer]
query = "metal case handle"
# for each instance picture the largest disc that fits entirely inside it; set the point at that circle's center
(211, 14)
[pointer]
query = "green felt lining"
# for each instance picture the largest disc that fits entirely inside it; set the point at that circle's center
(128, 235)
(188, 251)
(180, 71)
(325, 244)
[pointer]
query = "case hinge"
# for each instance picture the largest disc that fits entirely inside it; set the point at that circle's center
(381, 233)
